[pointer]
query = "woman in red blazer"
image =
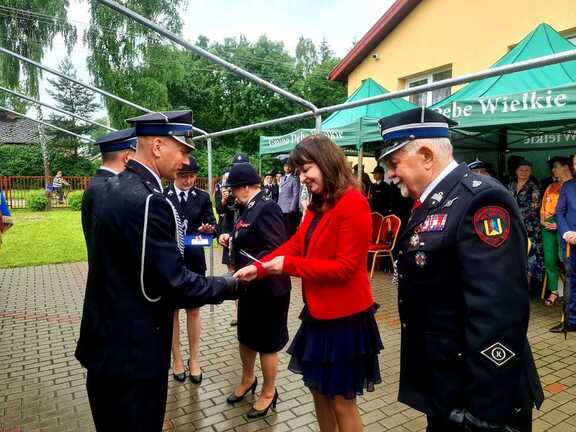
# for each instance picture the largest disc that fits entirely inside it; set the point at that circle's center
(336, 348)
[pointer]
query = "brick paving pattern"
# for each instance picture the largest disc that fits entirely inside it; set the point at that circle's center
(42, 385)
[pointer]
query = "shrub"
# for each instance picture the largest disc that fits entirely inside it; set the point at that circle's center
(37, 201)
(75, 200)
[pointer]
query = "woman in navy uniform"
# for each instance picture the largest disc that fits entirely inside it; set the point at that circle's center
(263, 311)
(462, 286)
(195, 211)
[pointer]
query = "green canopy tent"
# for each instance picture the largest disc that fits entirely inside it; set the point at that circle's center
(530, 113)
(352, 127)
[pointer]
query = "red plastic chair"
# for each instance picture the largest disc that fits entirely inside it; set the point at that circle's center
(377, 219)
(388, 233)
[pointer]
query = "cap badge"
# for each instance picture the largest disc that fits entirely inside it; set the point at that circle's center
(414, 240)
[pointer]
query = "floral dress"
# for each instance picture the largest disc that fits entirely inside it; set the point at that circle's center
(529, 200)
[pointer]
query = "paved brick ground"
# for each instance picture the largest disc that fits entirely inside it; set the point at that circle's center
(42, 385)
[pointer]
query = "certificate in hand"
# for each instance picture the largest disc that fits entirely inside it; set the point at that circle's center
(199, 239)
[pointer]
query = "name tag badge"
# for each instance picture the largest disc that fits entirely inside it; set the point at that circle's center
(198, 240)
(433, 223)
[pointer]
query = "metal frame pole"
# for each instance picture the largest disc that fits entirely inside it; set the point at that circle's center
(28, 98)
(48, 125)
(74, 80)
(318, 121)
(488, 73)
(88, 86)
(207, 55)
(211, 254)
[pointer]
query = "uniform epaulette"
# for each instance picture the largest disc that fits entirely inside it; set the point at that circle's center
(475, 183)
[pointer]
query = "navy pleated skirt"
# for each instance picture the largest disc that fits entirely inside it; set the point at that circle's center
(338, 357)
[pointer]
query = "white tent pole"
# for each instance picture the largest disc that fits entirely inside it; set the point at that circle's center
(88, 86)
(68, 113)
(207, 55)
(84, 138)
(476, 76)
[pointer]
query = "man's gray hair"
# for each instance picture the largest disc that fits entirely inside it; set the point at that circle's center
(442, 147)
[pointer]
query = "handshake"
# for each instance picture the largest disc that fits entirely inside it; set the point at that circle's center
(250, 272)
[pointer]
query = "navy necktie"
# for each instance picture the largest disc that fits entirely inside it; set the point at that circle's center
(182, 199)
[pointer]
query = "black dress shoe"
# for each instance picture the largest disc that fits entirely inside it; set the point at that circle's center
(254, 413)
(561, 328)
(181, 377)
(233, 323)
(196, 379)
(232, 399)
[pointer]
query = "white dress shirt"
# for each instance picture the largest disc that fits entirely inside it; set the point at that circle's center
(451, 167)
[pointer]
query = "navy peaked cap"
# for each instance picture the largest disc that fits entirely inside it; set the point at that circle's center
(399, 129)
(118, 140)
(242, 174)
(176, 124)
(190, 168)
(478, 164)
(240, 158)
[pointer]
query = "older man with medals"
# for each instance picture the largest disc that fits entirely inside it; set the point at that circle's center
(462, 287)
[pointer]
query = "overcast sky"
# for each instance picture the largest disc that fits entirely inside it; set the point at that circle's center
(340, 22)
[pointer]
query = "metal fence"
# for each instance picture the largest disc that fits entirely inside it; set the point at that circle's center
(18, 188)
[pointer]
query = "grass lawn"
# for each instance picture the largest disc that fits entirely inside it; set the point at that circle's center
(43, 238)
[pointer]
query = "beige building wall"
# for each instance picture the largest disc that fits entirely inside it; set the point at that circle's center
(466, 35)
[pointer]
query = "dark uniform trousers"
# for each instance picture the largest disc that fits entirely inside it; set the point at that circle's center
(136, 278)
(137, 405)
(520, 422)
(464, 306)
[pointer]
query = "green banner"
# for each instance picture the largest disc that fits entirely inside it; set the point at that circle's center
(343, 137)
(529, 107)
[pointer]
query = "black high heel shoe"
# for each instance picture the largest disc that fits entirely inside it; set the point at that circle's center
(180, 377)
(196, 379)
(232, 399)
(253, 413)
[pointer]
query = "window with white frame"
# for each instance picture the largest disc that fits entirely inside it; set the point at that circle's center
(431, 97)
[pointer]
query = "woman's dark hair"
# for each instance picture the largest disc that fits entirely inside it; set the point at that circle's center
(336, 172)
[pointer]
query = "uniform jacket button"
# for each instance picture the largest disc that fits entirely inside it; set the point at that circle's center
(404, 325)
(400, 301)
(400, 253)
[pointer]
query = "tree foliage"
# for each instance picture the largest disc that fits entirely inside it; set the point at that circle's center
(76, 99)
(120, 50)
(133, 62)
(29, 27)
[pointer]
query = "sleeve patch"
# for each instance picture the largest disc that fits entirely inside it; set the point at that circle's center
(492, 225)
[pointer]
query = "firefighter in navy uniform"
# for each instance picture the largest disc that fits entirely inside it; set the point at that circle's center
(195, 211)
(136, 278)
(462, 286)
(117, 148)
(263, 309)
(380, 194)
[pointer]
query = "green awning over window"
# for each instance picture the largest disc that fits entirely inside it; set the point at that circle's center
(539, 97)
